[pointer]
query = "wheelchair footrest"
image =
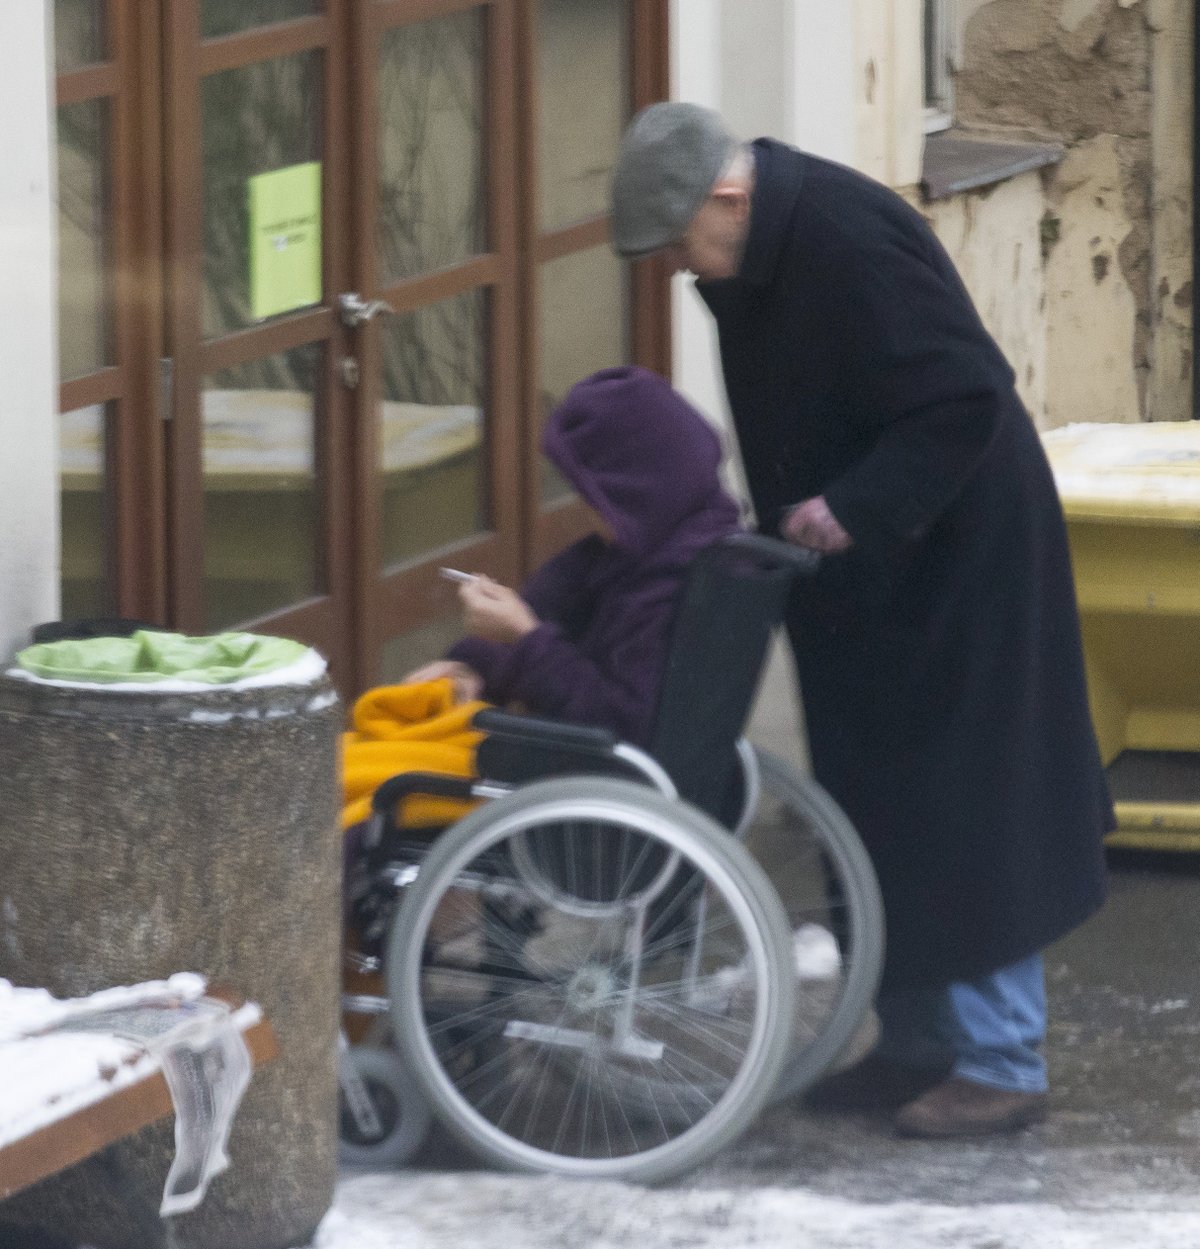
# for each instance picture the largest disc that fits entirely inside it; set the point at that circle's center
(632, 1046)
(364, 1004)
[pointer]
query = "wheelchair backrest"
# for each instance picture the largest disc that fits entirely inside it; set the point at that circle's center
(735, 595)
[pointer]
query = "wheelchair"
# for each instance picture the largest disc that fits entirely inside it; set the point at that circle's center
(609, 966)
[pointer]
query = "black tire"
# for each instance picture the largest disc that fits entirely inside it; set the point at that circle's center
(398, 1101)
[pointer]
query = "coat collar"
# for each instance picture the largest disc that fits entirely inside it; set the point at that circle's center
(778, 176)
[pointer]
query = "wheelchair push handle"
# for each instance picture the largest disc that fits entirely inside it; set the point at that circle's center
(774, 553)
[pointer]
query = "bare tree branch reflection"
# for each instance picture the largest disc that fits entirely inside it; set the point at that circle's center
(224, 17)
(431, 201)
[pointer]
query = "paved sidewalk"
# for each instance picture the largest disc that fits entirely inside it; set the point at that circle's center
(482, 1212)
(1117, 1164)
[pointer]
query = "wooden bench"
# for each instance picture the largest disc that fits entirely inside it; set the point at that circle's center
(63, 1139)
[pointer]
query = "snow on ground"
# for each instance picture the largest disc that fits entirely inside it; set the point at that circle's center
(415, 1210)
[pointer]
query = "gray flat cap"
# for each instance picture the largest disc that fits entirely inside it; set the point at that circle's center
(670, 159)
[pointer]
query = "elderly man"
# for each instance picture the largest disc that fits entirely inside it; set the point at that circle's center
(938, 648)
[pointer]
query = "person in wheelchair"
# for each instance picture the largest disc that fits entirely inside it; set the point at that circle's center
(586, 639)
(579, 962)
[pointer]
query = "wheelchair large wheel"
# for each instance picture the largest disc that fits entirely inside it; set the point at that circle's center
(622, 1017)
(821, 872)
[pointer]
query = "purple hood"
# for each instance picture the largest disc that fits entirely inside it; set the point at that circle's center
(638, 452)
(647, 461)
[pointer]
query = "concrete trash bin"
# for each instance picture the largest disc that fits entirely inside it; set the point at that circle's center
(147, 830)
(1131, 494)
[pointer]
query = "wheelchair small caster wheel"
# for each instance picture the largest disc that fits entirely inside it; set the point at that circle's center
(383, 1117)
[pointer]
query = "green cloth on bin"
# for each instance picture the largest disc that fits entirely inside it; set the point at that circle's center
(149, 657)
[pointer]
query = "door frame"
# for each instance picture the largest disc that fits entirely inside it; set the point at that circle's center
(324, 620)
(548, 528)
(154, 66)
(128, 78)
(392, 601)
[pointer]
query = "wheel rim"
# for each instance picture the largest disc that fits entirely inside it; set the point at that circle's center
(577, 1040)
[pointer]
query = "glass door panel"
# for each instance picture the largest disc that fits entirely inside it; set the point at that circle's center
(433, 454)
(582, 63)
(228, 17)
(432, 210)
(84, 305)
(584, 320)
(84, 504)
(401, 655)
(259, 443)
(436, 242)
(261, 502)
(79, 33)
(109, 466)
(258, 119)
(584, 92)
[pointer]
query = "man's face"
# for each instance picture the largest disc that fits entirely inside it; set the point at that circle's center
(711, 247)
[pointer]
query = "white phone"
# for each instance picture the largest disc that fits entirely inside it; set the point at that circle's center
(453, 574)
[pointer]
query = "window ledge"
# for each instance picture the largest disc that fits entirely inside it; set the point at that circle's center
(955, 161)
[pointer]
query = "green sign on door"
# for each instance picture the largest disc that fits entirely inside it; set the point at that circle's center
(285, 240)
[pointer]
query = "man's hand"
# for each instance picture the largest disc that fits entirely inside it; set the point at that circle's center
(494, 612)
(468, 684)
(813, 525)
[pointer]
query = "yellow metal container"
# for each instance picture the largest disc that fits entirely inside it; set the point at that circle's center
(1131, 494)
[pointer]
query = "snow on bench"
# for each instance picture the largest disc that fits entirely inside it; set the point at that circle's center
(78, 1074)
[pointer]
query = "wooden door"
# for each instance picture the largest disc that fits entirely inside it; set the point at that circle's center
(330, 264)
(438, 423)
(259, 439)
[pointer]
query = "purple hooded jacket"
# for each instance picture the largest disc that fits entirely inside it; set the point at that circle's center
(647, 461)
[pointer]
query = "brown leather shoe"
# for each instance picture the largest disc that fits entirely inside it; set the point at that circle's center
(875, 1083)
(959, 1107)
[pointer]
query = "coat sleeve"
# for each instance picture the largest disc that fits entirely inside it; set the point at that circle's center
(557, 588)
(553, 677)
(553, 591)
(929, 388)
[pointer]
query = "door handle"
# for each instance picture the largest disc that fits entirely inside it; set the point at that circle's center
(354, 310)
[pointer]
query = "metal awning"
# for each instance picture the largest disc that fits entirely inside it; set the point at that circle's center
(955, 161)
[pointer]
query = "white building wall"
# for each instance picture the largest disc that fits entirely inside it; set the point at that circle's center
(888, 90)
(696, 75)
(994, 240)
(784, 68)
(28, 343)
(821, 44)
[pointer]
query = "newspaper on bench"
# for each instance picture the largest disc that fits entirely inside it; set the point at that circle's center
(196, 1041)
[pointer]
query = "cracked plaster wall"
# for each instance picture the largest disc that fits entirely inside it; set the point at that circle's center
(991, 235)
(1112, 79)
(993, 238)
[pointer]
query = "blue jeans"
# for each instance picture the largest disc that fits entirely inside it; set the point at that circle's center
(990, 1029)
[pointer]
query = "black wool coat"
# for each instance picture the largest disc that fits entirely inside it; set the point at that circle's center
(939, 658)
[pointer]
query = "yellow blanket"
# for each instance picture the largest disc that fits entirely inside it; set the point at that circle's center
(408, 728)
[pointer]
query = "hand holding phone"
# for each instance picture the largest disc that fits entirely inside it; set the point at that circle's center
(494, 612)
